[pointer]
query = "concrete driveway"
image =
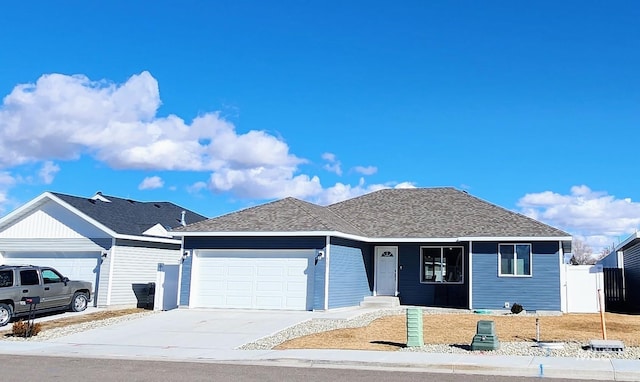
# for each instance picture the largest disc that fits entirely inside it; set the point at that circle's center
(213, 330)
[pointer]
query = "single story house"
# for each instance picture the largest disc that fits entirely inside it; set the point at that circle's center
(438, 247)
(117, 244)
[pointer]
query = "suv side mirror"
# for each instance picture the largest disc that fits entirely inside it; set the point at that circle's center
(65, 280)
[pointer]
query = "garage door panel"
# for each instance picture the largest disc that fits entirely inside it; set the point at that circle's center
(269, 286)
(263, 279)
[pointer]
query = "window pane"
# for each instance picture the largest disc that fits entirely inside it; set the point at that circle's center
(523, 258)
(506, 260)
(431, 264)
(6, 279)
(29, 277)
(453, 264)
(49, 277)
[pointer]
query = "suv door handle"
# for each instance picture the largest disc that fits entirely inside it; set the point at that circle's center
(25, 291)
(47, 288)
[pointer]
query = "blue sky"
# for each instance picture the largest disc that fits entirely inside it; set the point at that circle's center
(222, 105)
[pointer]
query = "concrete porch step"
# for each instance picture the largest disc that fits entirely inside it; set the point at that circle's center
(380, 302)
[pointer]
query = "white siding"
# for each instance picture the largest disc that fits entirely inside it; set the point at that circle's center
(52, 221)
(134, 267)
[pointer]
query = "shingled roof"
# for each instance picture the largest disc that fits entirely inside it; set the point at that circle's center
(390, 213)
(285, 215)
(130, 217)
(436, 213)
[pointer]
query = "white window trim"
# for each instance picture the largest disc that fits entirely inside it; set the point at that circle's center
(441, 254)
(515, 254)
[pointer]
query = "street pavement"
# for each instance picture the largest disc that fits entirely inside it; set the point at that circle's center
(203, 335)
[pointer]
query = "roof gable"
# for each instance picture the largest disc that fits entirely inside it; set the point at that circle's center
(129, 217)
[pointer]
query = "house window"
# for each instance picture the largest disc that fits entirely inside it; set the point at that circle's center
(441, 264)
(515, 260)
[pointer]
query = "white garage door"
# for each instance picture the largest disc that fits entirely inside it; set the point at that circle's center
(75, 265)
(264, 279)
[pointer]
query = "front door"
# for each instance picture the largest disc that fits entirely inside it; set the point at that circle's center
(386, 265)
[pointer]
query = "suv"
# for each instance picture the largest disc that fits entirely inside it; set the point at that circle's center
(22, 285)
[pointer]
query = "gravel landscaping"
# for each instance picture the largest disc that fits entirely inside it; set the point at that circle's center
(571, 349)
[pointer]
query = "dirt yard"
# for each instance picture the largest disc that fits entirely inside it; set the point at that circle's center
(390, 333)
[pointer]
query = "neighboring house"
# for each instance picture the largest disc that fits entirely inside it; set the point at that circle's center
(115, 243)
(623, 286)
(430, 247)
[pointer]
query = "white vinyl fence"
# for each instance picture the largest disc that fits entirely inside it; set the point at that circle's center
(582, 286)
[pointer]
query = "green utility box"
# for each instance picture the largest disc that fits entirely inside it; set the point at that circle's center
(486, 337)
(414, 327)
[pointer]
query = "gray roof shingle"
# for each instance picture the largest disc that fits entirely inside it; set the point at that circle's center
(130, 217)
(285, 215)
(390, 213)
(436, 213)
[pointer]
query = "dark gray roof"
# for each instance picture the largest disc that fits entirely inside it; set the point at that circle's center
(436, 213)
(285, 215)
(389, 213)
(130, 217)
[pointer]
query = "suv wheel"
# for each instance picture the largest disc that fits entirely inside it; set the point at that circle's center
(5, 314)
(79, 302)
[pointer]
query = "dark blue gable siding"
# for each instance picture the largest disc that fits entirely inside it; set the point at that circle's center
(413, 292)
(541, 291)
(631, 261)
(255, 242)
(349, 272)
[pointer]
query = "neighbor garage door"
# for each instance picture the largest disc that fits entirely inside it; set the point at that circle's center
(74, 265)
(264, 279)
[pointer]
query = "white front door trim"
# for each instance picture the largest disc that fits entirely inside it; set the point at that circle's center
(386, 275)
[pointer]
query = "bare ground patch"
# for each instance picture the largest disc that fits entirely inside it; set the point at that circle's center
(390, 333)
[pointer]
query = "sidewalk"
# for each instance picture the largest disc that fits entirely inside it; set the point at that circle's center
(212, 336)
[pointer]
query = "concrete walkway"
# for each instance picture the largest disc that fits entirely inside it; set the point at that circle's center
(213, 336)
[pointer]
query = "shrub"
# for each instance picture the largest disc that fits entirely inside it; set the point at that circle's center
(22, 329)
(516, 308)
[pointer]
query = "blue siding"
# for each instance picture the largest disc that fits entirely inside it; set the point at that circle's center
(318, 282)
(185, 282)
(413, 292)
(609, 261)
(631, 260)
(348, 276)
(541, 291)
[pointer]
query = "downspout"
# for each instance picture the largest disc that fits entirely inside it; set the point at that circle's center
(111, 266)
(470, 275)
(327, 264)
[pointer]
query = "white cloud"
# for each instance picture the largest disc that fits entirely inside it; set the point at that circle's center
(197, 187)
(334, 164)
(7, 181)
(368, 170)
(62, 118)
(595, 217)
(48, 172)
(340, 192)
(151, 182)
